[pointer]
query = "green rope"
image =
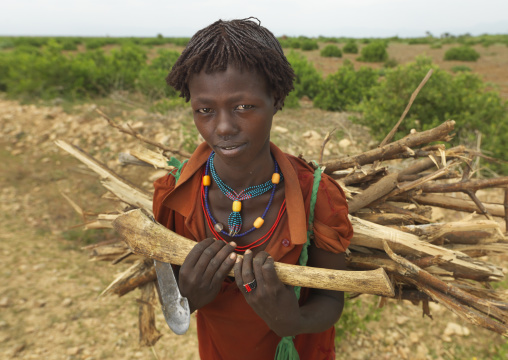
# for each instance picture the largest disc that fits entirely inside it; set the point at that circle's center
(178, 165)
(286, 349)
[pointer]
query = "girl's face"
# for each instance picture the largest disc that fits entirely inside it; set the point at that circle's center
(233, 111)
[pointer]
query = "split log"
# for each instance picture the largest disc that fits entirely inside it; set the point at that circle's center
(153, 158)
(448, 202)
(389, 151)
(431, 232)
(119, 186)
(145, 237)
(479, 311)
(148, 333)
(140, 273)
(373, 193)
(373, 236)
(463, 186)
(387, 219)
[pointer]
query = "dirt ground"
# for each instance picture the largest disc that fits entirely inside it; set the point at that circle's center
(49, 294)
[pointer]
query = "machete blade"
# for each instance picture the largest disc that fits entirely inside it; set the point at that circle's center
(174, 306)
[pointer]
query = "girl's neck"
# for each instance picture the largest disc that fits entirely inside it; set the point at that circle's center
(241, 176)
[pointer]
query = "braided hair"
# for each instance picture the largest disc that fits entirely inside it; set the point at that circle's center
(242, 43)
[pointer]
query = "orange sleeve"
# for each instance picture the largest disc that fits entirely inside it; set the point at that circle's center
(162, 187)
(332, 229)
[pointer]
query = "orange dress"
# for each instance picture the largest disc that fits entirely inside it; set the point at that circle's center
(228, 328)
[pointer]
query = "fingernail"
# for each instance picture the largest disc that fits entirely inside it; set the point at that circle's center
(232, 243)
(237, 260)
(248, 252)
(232, 256)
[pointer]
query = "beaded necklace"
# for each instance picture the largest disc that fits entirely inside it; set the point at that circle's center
(235, 219)
(253, 244)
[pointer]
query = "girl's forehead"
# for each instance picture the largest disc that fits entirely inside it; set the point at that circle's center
(233, 77)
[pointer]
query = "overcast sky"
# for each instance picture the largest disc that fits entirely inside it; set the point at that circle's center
(360, 18)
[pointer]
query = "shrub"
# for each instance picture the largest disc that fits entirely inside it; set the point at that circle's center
(308, 81)
(92, 44)
(151, 80)
(459, 68)
(291, 101)
(390, 63)
(346, 88)
(331, 51)
(463, 98)
(374, 52)
(350, 47)
(462, 53)
(48, 73)
(309, 44)
(6, 43)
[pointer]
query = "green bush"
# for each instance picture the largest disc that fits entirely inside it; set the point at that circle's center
(47, 73)
(308, 81)
(346, 88)
(151, 81)
(390, 63)
(462, 97)
(292, 101)
(350, 47)
(331, 51)
(460, 68)
(309, 44)
(374, 52)
(462, 53)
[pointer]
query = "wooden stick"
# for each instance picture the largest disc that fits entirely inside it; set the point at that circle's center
(392, 132)
(137, 275)
(472, 185)
(448, 202)
(390, 135)
(145, 237)
(148, 333)
(132, 132)
(122, 188)
(373, 236)
(373, 192)
(439, 133)
(423, 277)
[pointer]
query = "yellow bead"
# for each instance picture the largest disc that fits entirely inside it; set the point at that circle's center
(258, 223)
(237, 206)
(206, 180)
(275, 178)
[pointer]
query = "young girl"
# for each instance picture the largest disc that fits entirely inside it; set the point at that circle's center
(240, 194)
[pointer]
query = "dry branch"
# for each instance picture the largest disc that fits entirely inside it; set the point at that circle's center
(440, 133)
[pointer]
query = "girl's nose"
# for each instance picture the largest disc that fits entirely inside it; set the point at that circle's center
(225, 125)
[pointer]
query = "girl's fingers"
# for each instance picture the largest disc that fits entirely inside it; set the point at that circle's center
(268, 270)
(257, 265)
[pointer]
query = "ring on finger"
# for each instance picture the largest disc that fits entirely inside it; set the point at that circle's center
(250, 286)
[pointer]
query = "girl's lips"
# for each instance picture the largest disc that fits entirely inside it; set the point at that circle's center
(229, 149)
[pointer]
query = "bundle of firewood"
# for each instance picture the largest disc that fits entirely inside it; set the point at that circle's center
(391, 192)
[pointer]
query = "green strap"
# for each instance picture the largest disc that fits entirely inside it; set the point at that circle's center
(286, 349)
(178, 165)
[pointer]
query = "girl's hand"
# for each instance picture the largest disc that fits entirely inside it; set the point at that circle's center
(203, 271)
(273, 301)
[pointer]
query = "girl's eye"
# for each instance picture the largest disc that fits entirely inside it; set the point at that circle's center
(204, 110)
(244, 107)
